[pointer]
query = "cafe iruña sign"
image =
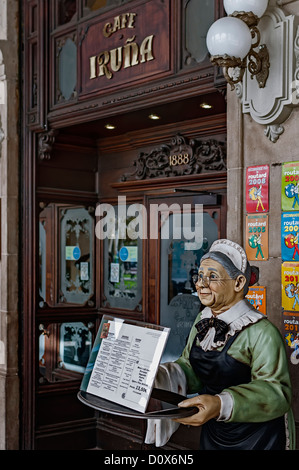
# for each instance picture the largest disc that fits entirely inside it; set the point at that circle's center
(126, 47)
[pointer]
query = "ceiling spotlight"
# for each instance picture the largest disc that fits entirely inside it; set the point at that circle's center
(206, 106)
(110, 126)
(154, 117)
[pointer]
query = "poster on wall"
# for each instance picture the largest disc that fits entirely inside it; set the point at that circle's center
(257, 248)
(290, 236)
(256, 296)
(290, 286)
(257, 189)
(289, 186)
(291, 335)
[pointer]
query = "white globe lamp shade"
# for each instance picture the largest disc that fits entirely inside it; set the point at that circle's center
(258, 7)
(229, 36)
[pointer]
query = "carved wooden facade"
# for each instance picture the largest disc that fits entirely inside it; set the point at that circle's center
(84, 66)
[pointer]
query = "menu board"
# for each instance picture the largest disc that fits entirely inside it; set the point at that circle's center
(124, 362)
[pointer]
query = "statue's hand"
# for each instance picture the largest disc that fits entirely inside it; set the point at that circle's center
(208, 407)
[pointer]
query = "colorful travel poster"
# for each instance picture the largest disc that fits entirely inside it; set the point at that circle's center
(257, 297)
(257, 189)
(290, 236)
(290, 286)
(289, 186)
(291, 336)
(257, 248)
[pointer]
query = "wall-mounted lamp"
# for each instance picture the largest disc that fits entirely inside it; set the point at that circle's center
(229, 41)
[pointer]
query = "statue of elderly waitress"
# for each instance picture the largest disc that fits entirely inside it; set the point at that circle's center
(235, 362)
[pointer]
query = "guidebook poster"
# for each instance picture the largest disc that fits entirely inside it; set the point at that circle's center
(256, 295)
(290, 236)
(291, 336)
(290, 186)
(257, 189)
(290, 286)
(257, 248)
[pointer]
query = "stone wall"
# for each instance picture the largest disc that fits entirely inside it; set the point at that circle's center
(248, 146)
(9, 206)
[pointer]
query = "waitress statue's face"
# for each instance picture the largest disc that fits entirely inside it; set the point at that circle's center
(216, 289)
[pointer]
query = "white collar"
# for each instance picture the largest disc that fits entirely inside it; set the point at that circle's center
(237, 317)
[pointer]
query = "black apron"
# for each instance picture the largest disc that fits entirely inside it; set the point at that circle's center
(217, 371)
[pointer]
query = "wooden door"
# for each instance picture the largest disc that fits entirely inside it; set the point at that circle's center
(172, 260)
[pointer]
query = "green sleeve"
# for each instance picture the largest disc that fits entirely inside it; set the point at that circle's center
(268, 394)
(193, 383)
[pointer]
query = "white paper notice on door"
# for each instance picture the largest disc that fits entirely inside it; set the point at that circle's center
(124, 362)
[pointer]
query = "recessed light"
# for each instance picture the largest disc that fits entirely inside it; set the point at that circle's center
(206, 106)
(154, 116)
(109, 126)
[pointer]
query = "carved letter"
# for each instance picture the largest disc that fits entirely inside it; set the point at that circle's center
(124, 20)
(116, 25)
(146, 49)
(107, 31)
(103, 60)
(130, 59)
(116, 59)
(93, 66)
(131, 20)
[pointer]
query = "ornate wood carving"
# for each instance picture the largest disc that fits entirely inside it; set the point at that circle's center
(46, 141)
(181, 157)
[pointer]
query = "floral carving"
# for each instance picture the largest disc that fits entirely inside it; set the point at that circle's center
(181, 157)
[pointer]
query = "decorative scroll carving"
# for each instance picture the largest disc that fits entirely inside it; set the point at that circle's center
(181, 157)
(273, 132)
(46, 141)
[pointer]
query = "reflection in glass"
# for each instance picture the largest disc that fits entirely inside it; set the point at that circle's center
(67, 69)
(66, 11)
(123, 267)
(64, 350)
(76, 252)
(93, 5)
(179, 303)
(199, 17)
(75, 342)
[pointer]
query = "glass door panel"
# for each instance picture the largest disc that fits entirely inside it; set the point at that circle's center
(76, 255)
(122, 256)
(66, 252)
(64, 350)
(180, 259)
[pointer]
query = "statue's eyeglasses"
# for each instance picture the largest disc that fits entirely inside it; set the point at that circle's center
(206, 280)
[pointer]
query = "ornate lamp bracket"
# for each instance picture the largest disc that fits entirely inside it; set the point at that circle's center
(258, 57)
(274, 104)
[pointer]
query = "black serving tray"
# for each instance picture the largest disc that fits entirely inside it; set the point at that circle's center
(162, 404)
